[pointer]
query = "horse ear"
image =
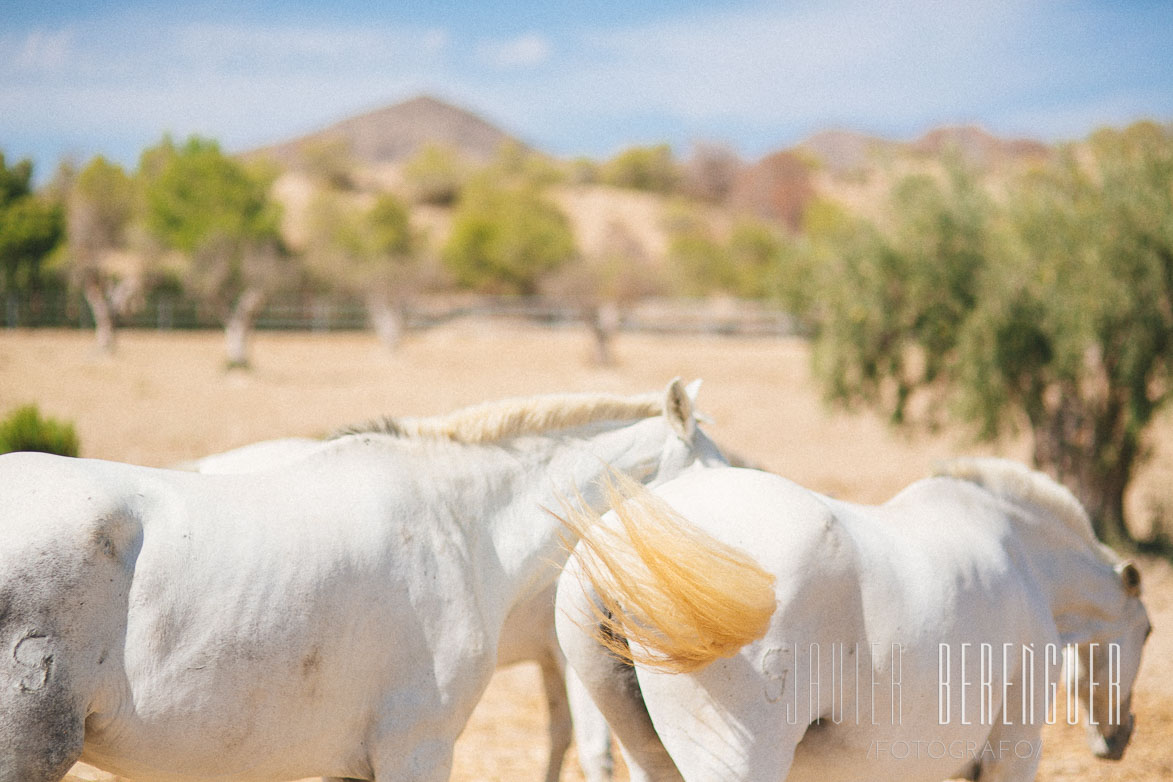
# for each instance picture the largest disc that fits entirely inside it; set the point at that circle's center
(1130, 577)
(678, 410)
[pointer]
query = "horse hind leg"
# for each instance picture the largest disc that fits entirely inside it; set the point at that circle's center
(573, 713)
(591, 732)
(558, 707)
(612, 685)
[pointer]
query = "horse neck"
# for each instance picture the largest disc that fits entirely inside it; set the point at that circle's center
(567, 467)
(1080, 582)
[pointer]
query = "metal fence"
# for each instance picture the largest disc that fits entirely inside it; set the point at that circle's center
(165, 311)
(168, 311)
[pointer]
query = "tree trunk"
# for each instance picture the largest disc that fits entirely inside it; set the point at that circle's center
(604, 321)
(1098, 476)
(95, 296)
(239, 326)
(387, 319)
(1104, 500)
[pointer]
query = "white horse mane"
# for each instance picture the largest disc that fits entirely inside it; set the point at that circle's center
(506, 418)
(1013, 480)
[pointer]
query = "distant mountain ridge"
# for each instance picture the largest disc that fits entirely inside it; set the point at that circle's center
(852, 169)
(394, 134)
(845, 151)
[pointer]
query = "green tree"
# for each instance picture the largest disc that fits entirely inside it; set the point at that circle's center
(101, 204)
(516, 164)
(1074, 330)
(758, 252)
(1053, 310)
(371, 252)
(603, 282)
(15, 180)
(31, 228)
(892, 303)
(747, 262)
(653, 169)
(695, 254)
(504, 239)
(219, 215)
(435, 175)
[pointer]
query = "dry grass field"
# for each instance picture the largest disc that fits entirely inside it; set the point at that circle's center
(164, 398)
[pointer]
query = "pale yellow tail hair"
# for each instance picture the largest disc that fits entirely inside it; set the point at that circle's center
(680, 595)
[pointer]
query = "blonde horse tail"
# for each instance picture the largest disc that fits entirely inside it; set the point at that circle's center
(669, 596)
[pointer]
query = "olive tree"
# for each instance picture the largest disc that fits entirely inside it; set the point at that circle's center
(891, 303)
(651, 168)
(435, 175)
(505, 238)
(1052, 309)
(371, 251)
(1074, 329)
(31, 228)
(217, 212)
(101, 204)
(603, 282)
(746, 260)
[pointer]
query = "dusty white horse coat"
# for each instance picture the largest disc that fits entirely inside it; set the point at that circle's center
(858, 674)
(337, 617)
(528, 633)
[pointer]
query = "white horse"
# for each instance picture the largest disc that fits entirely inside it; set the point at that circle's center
(337, 617)
(916, 640)
(528, 633)
(264, 455)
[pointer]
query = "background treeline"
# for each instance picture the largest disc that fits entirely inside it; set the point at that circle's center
(1036, 296)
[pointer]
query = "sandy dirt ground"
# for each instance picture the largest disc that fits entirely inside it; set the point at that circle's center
(165, 397)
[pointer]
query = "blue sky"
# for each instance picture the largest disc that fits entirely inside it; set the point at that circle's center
(99, 77)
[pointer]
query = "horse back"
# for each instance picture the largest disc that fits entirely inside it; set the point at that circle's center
(875, 589)
(270, 616)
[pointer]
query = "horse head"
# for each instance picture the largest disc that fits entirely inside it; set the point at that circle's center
(1102, 672)
(687, 445)
(1098, 608)
(65, 566)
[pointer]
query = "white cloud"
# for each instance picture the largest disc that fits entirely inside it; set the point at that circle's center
(525, 51)
(753, 75)
(777, 61)
(434, 41)
(242, 83)
(41, 50)
(766, 74)
(276, 50)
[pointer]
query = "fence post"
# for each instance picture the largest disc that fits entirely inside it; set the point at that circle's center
(320, 315)
(164, 315)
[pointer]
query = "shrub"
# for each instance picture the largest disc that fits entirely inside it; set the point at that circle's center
(505, 239)
(643, 168)
(25, 430)
(436, 175)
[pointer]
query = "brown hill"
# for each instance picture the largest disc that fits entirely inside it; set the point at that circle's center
(777, 187)
(977, 146)
(851, 168)
(857, 170)
(395, 133)
(845, 152)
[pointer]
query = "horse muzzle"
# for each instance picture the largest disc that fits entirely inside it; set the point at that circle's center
(1110, 746)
